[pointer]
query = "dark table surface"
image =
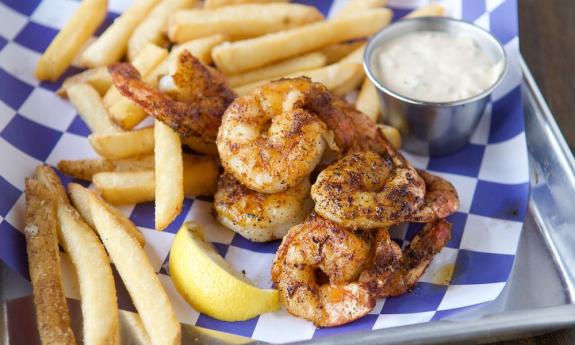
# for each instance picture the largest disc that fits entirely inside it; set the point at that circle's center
(547, 40)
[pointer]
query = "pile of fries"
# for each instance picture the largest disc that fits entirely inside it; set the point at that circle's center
(251, 42)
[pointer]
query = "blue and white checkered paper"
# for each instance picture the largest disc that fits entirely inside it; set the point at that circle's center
(491, 175)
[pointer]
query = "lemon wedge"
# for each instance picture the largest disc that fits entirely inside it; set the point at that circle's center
(210, 285)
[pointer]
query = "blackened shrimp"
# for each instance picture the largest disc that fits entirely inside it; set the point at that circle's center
(366, 190)
(193, 109)
(257, 216)
(393, 272)
(273, 138)
(441, 200)
(316, 270)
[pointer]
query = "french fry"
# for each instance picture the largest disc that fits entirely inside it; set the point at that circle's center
(112, 44)
(357, 6)
(391, 134)
(169, 175)
(70, 40)
(368, 100)
(52, 312)
(98, 78)
(124, 144)
(152, 28)
(80, 199)
(335, 52)
(239, 21)
(200, 48)
(338, 76)
(122, 110)
(219, 3)
(244, 55)
(350, 84)
(121, 188)
(91, 108)
(98, 292)
(355, 56)
(200, 178)
(300, 63)
(138, 275)
(86, 168)
(430, 10)
(50, 180)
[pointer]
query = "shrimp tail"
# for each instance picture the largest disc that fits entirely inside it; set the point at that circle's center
(394, 273)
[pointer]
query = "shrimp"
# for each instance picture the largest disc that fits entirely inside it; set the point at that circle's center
(273, 138)
(441, 200)
(393, 272)
(364, 190)
(261, 217)
(316, 270)
(194, 109)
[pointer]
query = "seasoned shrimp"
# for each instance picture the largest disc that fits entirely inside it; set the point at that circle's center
(257, 216)
(441, 200)
(273, 138)
(193, 109)
(393, 272)
(316, 270)
(365, 191)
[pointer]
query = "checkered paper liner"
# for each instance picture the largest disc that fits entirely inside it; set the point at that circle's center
(491, 175)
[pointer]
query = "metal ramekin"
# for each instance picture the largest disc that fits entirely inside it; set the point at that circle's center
(430, 128)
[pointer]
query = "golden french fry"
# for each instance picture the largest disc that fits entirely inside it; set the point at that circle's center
(122, 110)
(350, 84)
(430, 10)
(200, 48)
(240, 56)
(70, 40)
(200, 178)
(98, 78)
(152, 28)
(300, 63)
(219, 3)
(120, 188)
(391, 134)
(335, 52)
(169, 175)
(80, 199)
(335, 77)
(138, 276)
(85, 168)
(124, 144)
(91, 108)
(201, 175)
(355, 56)
(368, 100)
(52, 312)
(239, 21)
(112, 44)
(99, 303)
(357, 6)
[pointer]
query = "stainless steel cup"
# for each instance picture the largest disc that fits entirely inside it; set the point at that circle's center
(430, 128)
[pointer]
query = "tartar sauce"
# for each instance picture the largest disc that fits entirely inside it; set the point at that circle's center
(436, 66)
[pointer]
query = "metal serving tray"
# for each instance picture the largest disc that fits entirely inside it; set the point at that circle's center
(539, 295)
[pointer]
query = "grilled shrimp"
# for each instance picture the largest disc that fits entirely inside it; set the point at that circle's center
(392, 272)
(271, 139)
(365, 190)
(316, 270)
(193, 109)
(257, 216)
